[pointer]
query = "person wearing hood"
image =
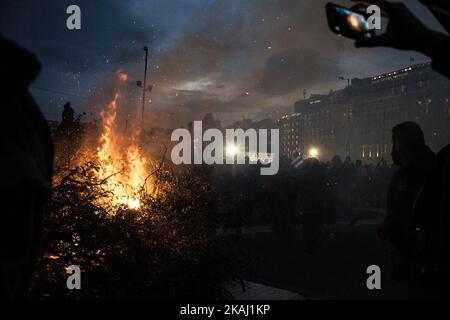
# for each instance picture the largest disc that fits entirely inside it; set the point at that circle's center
(26, 161)
(415, 161)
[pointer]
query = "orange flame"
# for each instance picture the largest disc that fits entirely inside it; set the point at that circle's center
(123, 173)
(122, 76)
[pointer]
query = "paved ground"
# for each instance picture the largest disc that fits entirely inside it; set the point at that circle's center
(338, 270)
(257, 291)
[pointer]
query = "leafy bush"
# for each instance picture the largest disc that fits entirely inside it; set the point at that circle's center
(166, 249)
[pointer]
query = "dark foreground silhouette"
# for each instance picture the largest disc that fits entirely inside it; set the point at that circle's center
(26, 163)
(417, 220)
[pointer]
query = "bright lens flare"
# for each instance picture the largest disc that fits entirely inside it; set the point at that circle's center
(232, 150)
(354, 21)
(130, 203)
(313, 152)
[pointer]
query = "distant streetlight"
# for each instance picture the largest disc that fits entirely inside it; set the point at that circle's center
(144, 86)
(313, 152)
(232, 150)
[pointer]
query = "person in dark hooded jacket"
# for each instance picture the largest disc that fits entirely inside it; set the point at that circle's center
(415, 161)
(432, 222)
(26, 163)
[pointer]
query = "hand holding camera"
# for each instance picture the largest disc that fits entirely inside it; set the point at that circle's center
(404, 31)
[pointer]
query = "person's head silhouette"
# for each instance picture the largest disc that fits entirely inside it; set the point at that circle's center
(408, 141)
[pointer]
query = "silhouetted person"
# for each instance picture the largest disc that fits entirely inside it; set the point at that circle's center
(406, 32)
(415, 161)
(313, 202)
(280, 205)
(26, 162)
(68, 113)
(357, 186)
(432, 222)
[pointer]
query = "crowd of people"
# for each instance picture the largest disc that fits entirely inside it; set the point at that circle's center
(350, 190)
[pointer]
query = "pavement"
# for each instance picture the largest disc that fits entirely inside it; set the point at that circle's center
(257, 291)
(277, 266)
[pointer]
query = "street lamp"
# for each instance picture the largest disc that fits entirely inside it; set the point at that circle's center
(232, 150)
(313, 152)
(144, 86)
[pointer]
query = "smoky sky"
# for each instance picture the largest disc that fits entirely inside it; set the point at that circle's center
(234, 58)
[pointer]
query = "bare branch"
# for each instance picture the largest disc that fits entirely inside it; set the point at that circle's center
(155, 171)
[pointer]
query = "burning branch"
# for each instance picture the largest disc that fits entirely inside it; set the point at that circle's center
(155, 171)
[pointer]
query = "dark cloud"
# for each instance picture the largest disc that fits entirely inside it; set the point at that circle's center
(289, 70)
(255, 55)
(275, 47)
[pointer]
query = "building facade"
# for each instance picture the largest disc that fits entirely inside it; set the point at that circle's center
(357, 121)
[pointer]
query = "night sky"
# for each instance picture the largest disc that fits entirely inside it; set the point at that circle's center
(235, 58)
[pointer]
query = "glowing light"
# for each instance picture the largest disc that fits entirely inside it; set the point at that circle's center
(130, 203)
(313, 152)
(122, 166)
(232, 150)
(51, 257)
(122, 76)
(354, 21)
(200, 84)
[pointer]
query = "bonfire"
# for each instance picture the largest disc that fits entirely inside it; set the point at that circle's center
(123, 168)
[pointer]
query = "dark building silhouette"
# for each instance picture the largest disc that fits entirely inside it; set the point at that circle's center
(356, 121)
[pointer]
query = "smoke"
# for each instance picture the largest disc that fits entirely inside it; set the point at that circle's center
(255, 55)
